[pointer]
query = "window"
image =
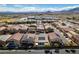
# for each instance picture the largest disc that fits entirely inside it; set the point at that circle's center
(41, 38)
(41, 43)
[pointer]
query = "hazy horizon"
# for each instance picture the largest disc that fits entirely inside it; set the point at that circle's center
(36, 7)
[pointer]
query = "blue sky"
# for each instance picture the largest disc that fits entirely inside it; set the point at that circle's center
(36, 7)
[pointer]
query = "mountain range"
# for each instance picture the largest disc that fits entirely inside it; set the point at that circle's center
(74, 10)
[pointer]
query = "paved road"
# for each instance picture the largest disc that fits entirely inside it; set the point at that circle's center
(62, 51)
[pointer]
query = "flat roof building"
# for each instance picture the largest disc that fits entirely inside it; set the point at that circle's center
(41, 40)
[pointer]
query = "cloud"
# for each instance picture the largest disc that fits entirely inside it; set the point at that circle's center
(18, 5)
(26, 9)
(3, 5)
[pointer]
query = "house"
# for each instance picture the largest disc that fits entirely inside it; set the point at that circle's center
(75, 38)
(3, 39)
(14, 40)
(27, 41)
(55, 41)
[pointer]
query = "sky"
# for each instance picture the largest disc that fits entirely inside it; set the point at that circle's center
(35, 7)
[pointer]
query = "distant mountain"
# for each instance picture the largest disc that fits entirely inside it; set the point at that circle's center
(74, 10)
(26, 12)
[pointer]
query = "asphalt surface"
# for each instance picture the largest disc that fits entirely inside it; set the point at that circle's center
(43, 51)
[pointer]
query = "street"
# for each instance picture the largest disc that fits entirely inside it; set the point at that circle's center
(32, 51)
